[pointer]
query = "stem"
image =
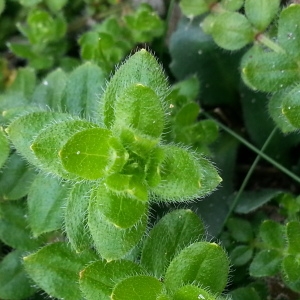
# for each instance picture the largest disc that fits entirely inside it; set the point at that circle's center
(263, 39)
(247, 177)
(257, 151)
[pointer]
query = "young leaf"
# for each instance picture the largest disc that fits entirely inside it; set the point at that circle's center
(141, 68)
(83, 89)
(189, 292)
(140, 108)
(293, 236)
(4, 148)
(291, 106)
(14, 229)
(265, 263)
(232, 31)
(192, 8)
(48, 143)
(240, 255)
(241, 230)
(170, 235)
(93, 153)
(50, 91)
(289, 30)
(121, 209)
(137, 287)
(46, 199)
(245, 293)
(268, 71)
(23, 130)
(13, 275)
(291, 267)
(232, 5)
(272, 233)
(16, 178)
(98, 279)
(197, 264)
(55, 269)
(75, 217)
(261, 12)
(110, 241)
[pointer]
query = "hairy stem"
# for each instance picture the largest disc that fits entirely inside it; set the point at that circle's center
(265, 40)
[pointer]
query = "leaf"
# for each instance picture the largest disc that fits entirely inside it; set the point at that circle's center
(232, 5)
(140, 108)
(2, 6)
(93, 153)
(197, 264)
(232, 31)
(16, 178)
(250, 201)
(272, 233)
(265, 263)
(141, 68)
(137, 287)
(289, 30)
(14, 227)
(50, 91)
(241, 230)
(245, 293)
(4, 147)
(268, 71)
(24, 129)
(15, 283)
(188, 292)
(98, 279)
(192, 8)
(291, 268)
(55, 269)
(121, 209)
(75, 217)
(261, 13)
(293, 237)
(49, 142)
(84, 87)
(241, 255)
(56, 5)
(29, 2)
(170, 235)
(291, 106)
(46, 199)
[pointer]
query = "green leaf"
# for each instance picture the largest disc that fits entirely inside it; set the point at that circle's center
(110, 241)
(140, 108)
(232, 5)
(291, 267)
(29, 2)
(192, 8)
(241, 230)
(141, 68)
(24, 129)
(268, 71)
(93, 153)
(171, 234)
(4, 147)
(49, 142)
(261, 12)
(232, 31)
(293, 236)
(15, 283)
(84, 87)
(197, 264)
(189, 292)
(289, 30)
(98, 279)
(16, 178)
(275, 111)
(240, 255)
(183, 176)
(14, 227)
(291, 106)
(75, 217)
(50, 91)
(272, 233)
(46, 199)
(265, 263)
(121, 209)
(55, 269)
(245, 293)
(56, 5)
(2, 6)
(137, 287)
